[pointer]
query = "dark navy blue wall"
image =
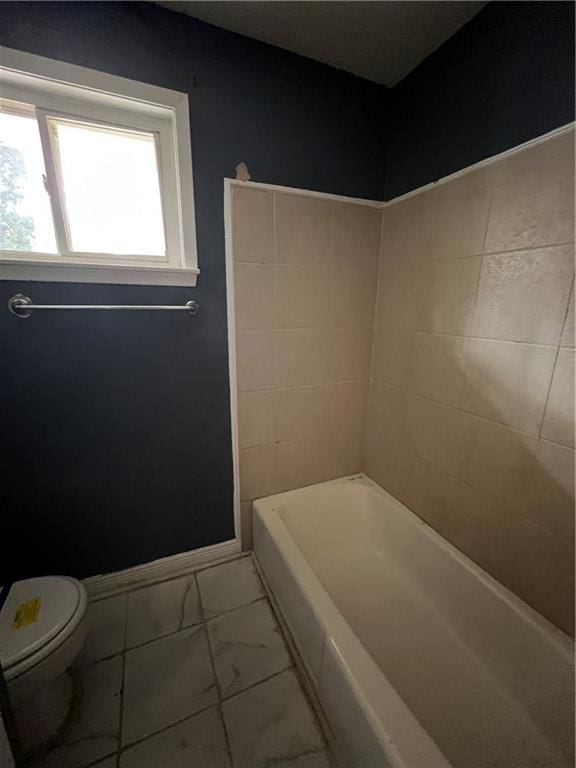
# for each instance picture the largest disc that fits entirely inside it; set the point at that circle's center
(504, 78)
(118, 427)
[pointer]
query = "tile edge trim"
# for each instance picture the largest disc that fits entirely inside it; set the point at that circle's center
(382, 204)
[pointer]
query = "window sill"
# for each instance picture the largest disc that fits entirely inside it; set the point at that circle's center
(54, 272)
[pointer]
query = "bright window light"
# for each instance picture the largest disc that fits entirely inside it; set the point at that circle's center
(25, 217)
(110, 188)
(95, 177)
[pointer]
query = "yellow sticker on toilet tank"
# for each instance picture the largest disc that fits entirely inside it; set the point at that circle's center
(26, 613)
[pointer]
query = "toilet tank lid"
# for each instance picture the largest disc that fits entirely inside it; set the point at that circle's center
(35, 612)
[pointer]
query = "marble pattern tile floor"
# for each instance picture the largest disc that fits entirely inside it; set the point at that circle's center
(193, 671)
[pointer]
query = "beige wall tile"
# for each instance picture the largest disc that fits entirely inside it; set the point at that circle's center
(303, 229)
(246, 524)
(421, 484)
(533, 202)
(465, 521)
(567, 339)
(301, 412)
(551, 498)
(404, 231)
(252, 225)
(256, 417)
(559, 418)
(346, 406)
(385, 426)
(322, 356)
(352, 297)
(391, 355)
(456, 217)
(254, 296)
(523, 296)
(284, 415)
(258, 471)
(494, 459)
(437, 365)
(356, 235)
(269, 469)
(431, 430)
(302, 297)
(319, 458)
(496, 490)
(534, 564)
(508, 382)
(539, 567)
(348, 353)
(257, 355)
(303, 357)
(448, 294)
(400, 295)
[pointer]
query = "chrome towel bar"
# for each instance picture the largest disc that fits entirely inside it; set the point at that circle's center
(22, 306)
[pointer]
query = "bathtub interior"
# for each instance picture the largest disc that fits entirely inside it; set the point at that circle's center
(488, 679)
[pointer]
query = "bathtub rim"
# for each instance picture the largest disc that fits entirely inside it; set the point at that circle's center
(417, 747)
(397, 740)
(562, 642)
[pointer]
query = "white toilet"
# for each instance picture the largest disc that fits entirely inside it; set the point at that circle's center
(42, 631)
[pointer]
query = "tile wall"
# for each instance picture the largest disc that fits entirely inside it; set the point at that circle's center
(471, 407)
(305, 288)
(470, 415)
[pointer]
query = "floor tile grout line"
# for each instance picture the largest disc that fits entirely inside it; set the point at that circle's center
(122, 689)
(226, 735)
(235, 695)
(122, 654)
(215, 705)
(165, 728)
(196, 624)
(217, 682)
(236, 608)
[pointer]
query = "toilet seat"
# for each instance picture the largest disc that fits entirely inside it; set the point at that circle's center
(42, 626)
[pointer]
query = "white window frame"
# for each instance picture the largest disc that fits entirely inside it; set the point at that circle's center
(61, 90)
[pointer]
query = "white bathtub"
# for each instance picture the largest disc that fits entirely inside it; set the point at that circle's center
(419, 658)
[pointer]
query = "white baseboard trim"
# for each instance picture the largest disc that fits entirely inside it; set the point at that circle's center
(108, 584)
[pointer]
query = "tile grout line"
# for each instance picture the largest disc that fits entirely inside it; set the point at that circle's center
(213, 665)
(324, 385)
(558, 348)
(215, 705)
(221, 699)
(429, 332)
(417, 262)
(260, 682)
(459, 409)
(202, 624)
(471, 324)
(165, 728)
(196, 624)
(123, 688)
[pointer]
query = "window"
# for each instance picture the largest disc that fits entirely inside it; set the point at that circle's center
(95, 177)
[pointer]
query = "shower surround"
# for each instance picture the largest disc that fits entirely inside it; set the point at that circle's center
(453, 388)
